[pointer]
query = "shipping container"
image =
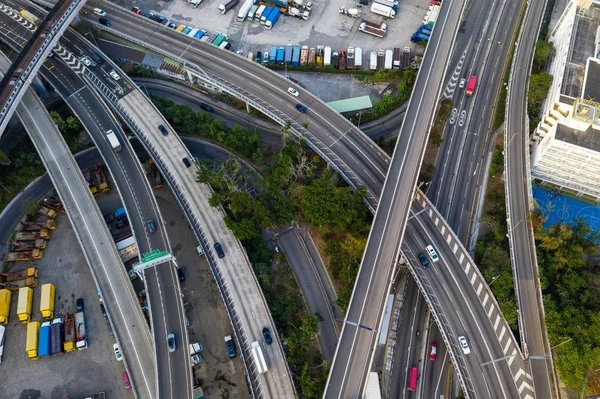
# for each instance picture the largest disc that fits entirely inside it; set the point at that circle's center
(289, 49)
(47, 301)
(296, 56)
(273, 55)
(31, 345)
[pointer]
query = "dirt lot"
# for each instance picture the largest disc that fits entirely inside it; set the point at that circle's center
(209, 323)
(325, 26)
(70, 375)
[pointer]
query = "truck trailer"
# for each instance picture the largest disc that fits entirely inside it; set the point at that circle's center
(244, 9)
(265, 14)
(272, 55)
(223, 8)
(280, 55)
(372, 28)
(396, 58)
(273, 18)
(44, 340)
(57, 336)
(31, 344)
(304, 55)
(389, 60)
(80, 331)
(259, 12)
(296, 56)
(350, 58)
(5, 300)
(69, 327)
(259, 358)
(373, 61)
(24, 304)
(383, 10)
(327, 56)
(47, 301)
(358, 58)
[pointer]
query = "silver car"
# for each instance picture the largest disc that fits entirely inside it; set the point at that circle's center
(464, 344)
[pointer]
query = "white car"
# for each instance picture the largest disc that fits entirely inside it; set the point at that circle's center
(114, 75)
(432, 253)
(464, 345)
(100, 12)
(293, 92)
(86, 60)
(117, 350)
(453, 116)
(462, 83)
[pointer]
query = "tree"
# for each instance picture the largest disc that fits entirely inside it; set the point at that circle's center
(539, 84)
(543, 51)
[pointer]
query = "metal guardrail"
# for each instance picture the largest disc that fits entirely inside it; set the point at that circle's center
(51, 38)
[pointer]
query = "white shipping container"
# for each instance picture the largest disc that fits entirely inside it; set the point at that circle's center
(358, 58)
(259, 12)
(259, 358)
(244, 10)
(327, 56)
(373, 61)
(252, 12)
(389, 58)
(384, 10)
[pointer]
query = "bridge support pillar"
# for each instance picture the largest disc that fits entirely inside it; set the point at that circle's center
(40, 88)
(248, 107)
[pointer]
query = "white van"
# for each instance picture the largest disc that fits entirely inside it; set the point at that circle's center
(100, 12)
(199, 250)
(432, 253)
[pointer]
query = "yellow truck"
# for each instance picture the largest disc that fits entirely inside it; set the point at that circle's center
(34, 254)
(5, 298)
(30, 17)
(24, 304)
(45, 211)
(47, 301)
(32, 235)
(31, 346)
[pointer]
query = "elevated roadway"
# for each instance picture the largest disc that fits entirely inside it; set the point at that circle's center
(519, 201)
(127, 319)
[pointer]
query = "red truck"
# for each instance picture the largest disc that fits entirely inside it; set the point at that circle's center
(471, 86)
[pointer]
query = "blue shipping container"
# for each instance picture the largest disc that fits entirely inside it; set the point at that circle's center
(199, 34)
(44, 340)
(187, 30)
(288, 54)
(280, 55)
(265, 14)
(273, 54)
(273, 17)
(296, 56)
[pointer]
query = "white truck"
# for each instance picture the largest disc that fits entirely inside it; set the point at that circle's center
(389, 57)
(373, 61)
(244, 9)
(113, 140)
(259, 358)
(327, 56)
(384, 10)
(358, 58)
(195, 350)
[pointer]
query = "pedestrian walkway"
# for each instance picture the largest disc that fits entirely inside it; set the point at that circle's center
(558, 208)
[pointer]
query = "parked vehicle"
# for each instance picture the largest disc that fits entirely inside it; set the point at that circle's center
(258, 57)
(223, 8)
(252, 12)
(230, 346)
(372, 28)
(117, 350)
(381, 9)
(272, 18)
(327, 56)
(244, 9)
(296, 56)
(396, 63)
(44, 340)
(70, 336)
(406, 57)
(373, 61)
(358, 58)
(389, 59)
(80, 331)
(259, 358)
(289, 50)
(47, 301)
(24, 304)
(57, 336)
(31, 344)
(180, 275)
(280, 55)
(80, 305)
(259, 12)
(126, 382)
(5, 300)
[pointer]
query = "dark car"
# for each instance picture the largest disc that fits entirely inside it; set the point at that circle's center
(96, 58)
(267, 335)
(301, 108)
(187, 162)
(423, 260)
(80, 304)
(163, 130)
(104, 21)
(151, 226)
(364, 2)
(181, 275)
(258, 56)
(103, 309)
(219, 250)
(206, 107)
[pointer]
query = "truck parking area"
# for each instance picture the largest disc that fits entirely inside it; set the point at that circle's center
(76, 374)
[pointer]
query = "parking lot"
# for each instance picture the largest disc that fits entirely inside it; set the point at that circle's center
(326, 26)
(219, 375)
(70, 375)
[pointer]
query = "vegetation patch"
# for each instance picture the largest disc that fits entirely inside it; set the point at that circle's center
(539, 83)
(444, 110)
(389, 102)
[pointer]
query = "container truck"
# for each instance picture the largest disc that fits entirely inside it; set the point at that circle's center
(335, 59)
(380, 59)
(32, 235)
(80, 332)
(384, 10)
(372, 28)
(273, 55)
(342, 60)
(259, 358)
(327, 56)
(265, 14)
(272, 18)
(350, 58)
(373, 61)
(102, 184)
(311, 55)
(200, 34)
(43, 222)
(228, 6)
(252, 12)
(219, 39)
(44, 340)
(319, 56)
(69, 327)
(389, 60)
(113, 140)
(406, 57)
(24, 304)
(5, 299)
(396, 58)
(31, 274)
(304, 55)
(57, 336)
(47, 301)
(31, 345)
(2, 333)
(30, 17)
(289, 49)
(244, 9)
(280, 55)
(193, 32)
(296, 56)
(259, 12)
(471, 86)
(51, 213)
(34, 254)
(358, 58)
(230, 346)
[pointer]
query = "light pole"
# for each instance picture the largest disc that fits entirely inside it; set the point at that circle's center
(359, 116)
(493, 279)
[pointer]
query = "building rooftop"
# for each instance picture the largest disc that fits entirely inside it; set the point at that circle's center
(588, 138)
(351, 104)
(591, 90)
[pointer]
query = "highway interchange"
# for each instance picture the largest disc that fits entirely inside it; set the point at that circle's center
(354, 147)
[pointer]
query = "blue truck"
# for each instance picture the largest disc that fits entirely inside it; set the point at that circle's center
(44, 340)
(272, 18)
(199, 34)
(265, 14)
(288, 54)
(230, 346)
(422, 34)
(296, 56)
(120, 213)
(280, 55)
(187, 30)
(273, 54)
